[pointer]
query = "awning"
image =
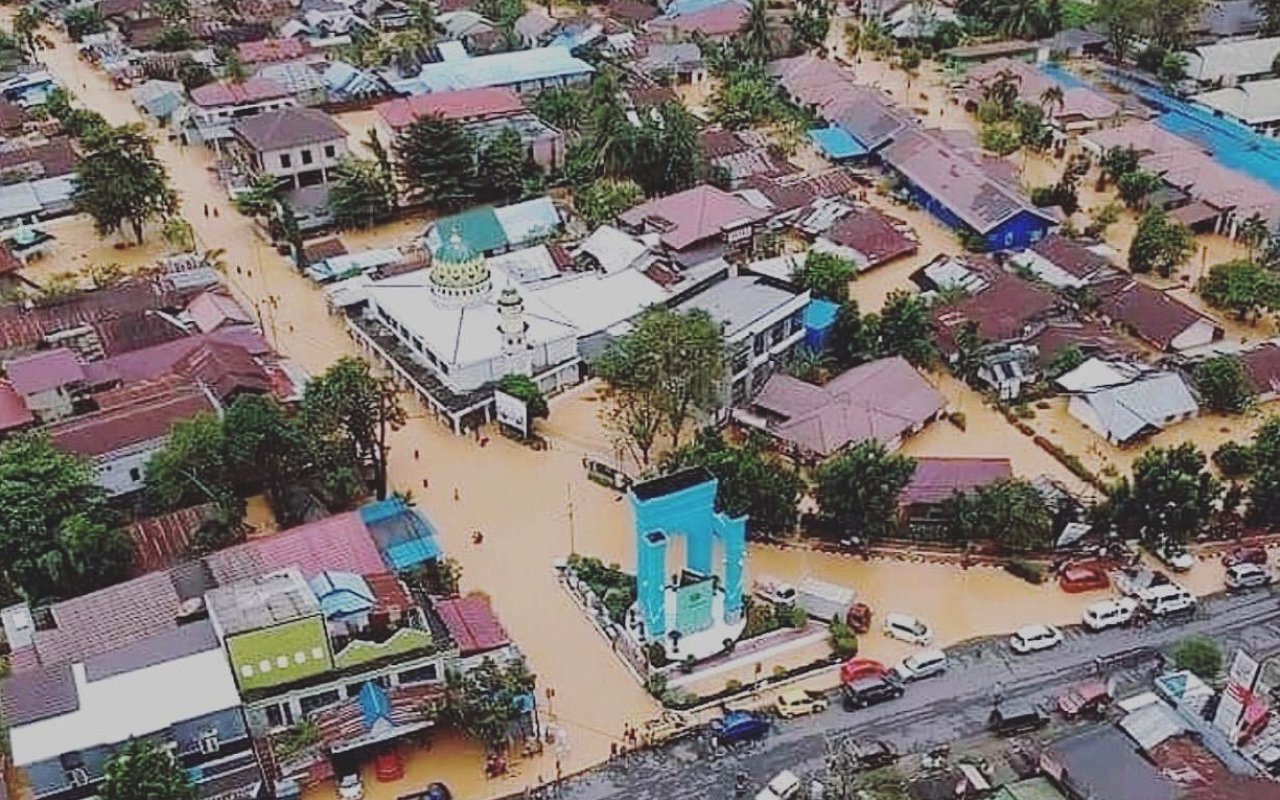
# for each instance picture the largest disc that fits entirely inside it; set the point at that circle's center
(837, 143)
(1197, 213)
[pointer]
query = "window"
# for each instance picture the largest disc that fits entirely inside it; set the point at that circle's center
(330, 151)
(135, 474)
(318, 701)
(306, 156)
(317, 653)
(286, 161)
(299, 657)
(209, 743)
(419, 674)
(279, 716)
(1008, 239)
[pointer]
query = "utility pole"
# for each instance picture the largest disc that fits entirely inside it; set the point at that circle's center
(573, 547)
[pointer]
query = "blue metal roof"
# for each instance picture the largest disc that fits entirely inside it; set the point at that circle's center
(403, 535)
(342, 594)
(837, 143)
(374, 704)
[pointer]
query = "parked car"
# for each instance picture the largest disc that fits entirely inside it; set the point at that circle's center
(908, 629)
(1133, 580)
(434, 791)
(784, 786)
(871, 753)
(1083, 576)
(1034, 638)
(1168, 598)
(1109, 613)
(739, 726)
(669, 726)
(350, 787)
(1247, 576)
(858, 668)
(1245, 555)
(924, 664)
(870, 691)
(798, 702)
(1085, 698)
(1012, 718)
(1176, 558)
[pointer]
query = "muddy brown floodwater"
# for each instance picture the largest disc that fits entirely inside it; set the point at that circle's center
(521, 499)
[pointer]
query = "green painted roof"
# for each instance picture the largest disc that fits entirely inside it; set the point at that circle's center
(1038, 788)
(479, 228)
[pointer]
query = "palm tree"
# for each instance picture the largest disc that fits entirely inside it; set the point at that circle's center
(422, 18)
(1052, 97)
(1002, 89)
(261, 196)
(1020, 18)
(1253, 233)
(26, 28)
(756, 42)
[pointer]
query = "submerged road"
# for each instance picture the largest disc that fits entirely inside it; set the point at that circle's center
(934, 711)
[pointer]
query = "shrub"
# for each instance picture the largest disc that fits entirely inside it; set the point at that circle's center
(842, 640)
(657, 685)
(795, 617)
(1235, 460)
(657, 655)
(733, 685)
(1199, 654)
(1029, 571)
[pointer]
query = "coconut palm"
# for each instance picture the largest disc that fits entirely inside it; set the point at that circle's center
(1002, 90)
(26, 29)
(756, 41)
(1253, 233)
(1053, 97)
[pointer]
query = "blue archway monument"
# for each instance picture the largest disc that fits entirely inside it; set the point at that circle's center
(696, 611)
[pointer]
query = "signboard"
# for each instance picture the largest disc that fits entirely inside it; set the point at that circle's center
(512, 411)
(693, 603)
(1244, 670)
(1240, 682)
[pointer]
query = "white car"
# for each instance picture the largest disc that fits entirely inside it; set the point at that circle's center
(924, 664)
(784, 786)
(1034, 638)
(1109, 613)
(350, 787)
(1247, 576)
(907, 628)
(1178, 559)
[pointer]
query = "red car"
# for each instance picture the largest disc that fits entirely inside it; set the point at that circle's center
(1087, 698)
(1245, 555)
(1083, 576)
(388, 766)
(857, 669)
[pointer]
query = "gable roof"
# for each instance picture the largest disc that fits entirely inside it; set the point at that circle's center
(879, 400)
(1002, 311)
(1214, 62)
(253, 90)
(1142, 405)
(486, 102)
(44, 370)
(1262, 366)
(472, 624)
(158, 360)
(871, 233)
(288, 127)
(1074, 258)
(721, 19)
(210, 310)
(341, 542)
(693, 216)
(107, 431)
(270, 50)
(1150, 313)
(936, 479)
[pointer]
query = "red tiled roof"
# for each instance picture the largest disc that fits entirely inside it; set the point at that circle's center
(158, 360)
(936, 479)
(1074, 258)
(341, 542)
(472, 624)
(693, 216)
(1001, 312)
(1150, 313)
(43, 371)
(12, 117)
(225, 369)
(1262, 366)
(211, 310)
(55, 157)
(272, 50)
(463, 104)
(13, 409)
(22, 328)
(631, 10)
(254, 90)
(107, 431)
(163, 541)
(719, 20)
(323, 249)
(872, 234)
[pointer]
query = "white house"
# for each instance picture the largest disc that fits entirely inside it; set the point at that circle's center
(299, 145)
(1125, 412)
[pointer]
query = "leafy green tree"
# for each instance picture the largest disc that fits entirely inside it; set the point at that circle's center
(422, 19)
(1264, 489)
(58, 536)
(191, 468)
(504, 167)
(746, 99)
(266, 447)
(855, 337)
(857, 491)
(357, 411)
(1012, 512)
(1065, 360)
(811, 22)
(1000, 138)
(261, 197)
(1169, 500)
(1135, 186)
(120, 182)
(905, 329)
(174, 39)
(1242, 287)
(1224, 386)
(524, 387)
(360, 195)
(667, 151)
(487, 701)
(1234, 460)
(604, 199)
(826, 275)
(27, 29)
(143, 770)
(564, 107)
(1123, 21)
(752, 480)
(83, 21)
(1117, 162)
(174, 12)
(1199, 654)
(673, 361)
(1033, 131)
(608, 143)
(1160, 244)
(437, 160)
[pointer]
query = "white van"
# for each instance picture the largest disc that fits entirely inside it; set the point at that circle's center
(1169, 598)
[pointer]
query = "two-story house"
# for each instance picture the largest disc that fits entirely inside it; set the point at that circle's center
(215, 107)
(298, 146)
(48, 382)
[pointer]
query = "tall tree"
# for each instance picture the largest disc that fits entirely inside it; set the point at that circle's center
(609, 141)
(350, 405)
(679, 360)
(487, 701)
(855, 337)
(378, 150)
(1270, 11)
(757, 41)
(746, 98)
(505, 167)
(422, 19)
(1123, 21)
(437, 160)
(27, 25)
(1161, 244)
(173, 12)
(1169, 500)
(604, 199)
(1242, 287)
(191, 468)
(359, 194)
(826, 275)
(1264, 489)
(120, 182)
(905, 329)
(266, 447)
(143, 770)
(565, 107)
(858, 490)
(1012, 512)
(1224, 385)
(667, 151)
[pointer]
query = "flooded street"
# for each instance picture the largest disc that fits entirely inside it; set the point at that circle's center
(530, 505)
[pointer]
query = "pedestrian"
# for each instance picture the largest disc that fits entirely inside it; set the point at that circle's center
(206, 210)
(455, 493)
(215, 211)
(613, 750)
(424, 483)
(415, 455)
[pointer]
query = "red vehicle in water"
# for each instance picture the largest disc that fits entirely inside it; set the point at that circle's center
(1083, 576)
(1254, 554)
(857, 669)
(388, 766)
(1086, 698)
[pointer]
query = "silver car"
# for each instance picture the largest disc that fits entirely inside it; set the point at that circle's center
(1247, 576)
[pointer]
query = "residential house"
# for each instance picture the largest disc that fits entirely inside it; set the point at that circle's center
(49, 382)
(1082, 108)
(66, 721)
(1227, 19)
(966, 192)
(1067, 264)
(14, 414)
(678, 63)
(159, 99)
(1162, 321)
(302, 81)
(1122, 413)
(1076, 43)
(386, 15)
(717, 23)
(631, 12)
(345, 83)
(1255, 104)
(215, 107)
(272, 51)
(534, 26)
(1001, 309)
(937, 480)
(808, 201)
(490, 231)
(868, 237)
(745, 154)
(475, 629)
(762, 320)
(1262, 367)
(485, 112)
(885, 400)
(295, 145)
(1224, 197)
(524, 71)
(698, 224)
(37, 181)
(1229, 63)
(969, 55)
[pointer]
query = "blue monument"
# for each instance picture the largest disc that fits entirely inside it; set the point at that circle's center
(699, 599)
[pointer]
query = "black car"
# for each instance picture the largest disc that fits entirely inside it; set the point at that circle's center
(1012, 718)
(869, 691)
(434, 791)
(871, 753)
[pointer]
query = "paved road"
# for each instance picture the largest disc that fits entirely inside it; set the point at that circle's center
(932, 712)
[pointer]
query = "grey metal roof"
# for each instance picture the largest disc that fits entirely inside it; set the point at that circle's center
(1102, 763)
(186, 640)
(38, 694)
(1150, 402)
(288, 127)
(261, 602)
(737, 302)
(1151, 725)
